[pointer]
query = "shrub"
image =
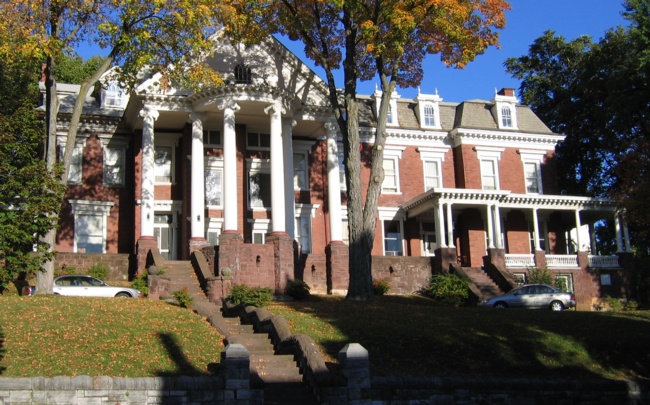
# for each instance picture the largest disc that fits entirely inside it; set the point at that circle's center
(380, 286)
(448, 289)
(98, 270)
(183, 297)
(297, 289)
(141, 283)
(538, 275)
(615, 304)
(245, 295)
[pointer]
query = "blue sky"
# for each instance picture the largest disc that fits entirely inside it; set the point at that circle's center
(526, 21)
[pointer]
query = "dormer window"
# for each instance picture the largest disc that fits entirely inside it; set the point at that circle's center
(114, 96)
(506, 117)
(391, 117)
(504, 109)
(242, 74)
(428, 110)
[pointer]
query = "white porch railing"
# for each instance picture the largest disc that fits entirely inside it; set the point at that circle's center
(520, 260)
(603, 261)
(562, 260)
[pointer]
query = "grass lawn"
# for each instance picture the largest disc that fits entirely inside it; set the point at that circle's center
(68, 336)
(412, 336)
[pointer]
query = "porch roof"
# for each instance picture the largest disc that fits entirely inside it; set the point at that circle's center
(504, 199)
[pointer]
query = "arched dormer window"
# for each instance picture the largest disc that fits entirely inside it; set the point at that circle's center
(114, 96)
(242, 74)
(506, 117)
(429, 116)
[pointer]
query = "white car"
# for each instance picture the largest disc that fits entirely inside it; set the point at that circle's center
(86, 286)
(536, 296)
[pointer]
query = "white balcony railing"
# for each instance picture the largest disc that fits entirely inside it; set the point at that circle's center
(520, 260)
(562, 260)
(603, 261)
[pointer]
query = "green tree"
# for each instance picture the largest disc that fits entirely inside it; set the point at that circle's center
(169, 36)
(598, 95)
(28, 192)
(385, 39)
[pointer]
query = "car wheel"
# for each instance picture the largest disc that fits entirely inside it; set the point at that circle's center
(557, 306)
(500, 305)
(123, 295)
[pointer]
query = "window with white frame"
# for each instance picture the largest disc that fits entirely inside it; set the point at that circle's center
(506, 117)
(564, 282)
(341, 158)
(532, 160)
(114, 96)
(541, 226)
(428, 238)
(489, 162)
(391, 170)
(213, 185)
(429, 116)
(520, 278)
(432, 159)
(393, 239)
(213, 230)
(261, 227)
(163, 163)
(114, 166)
(90, 223)
(259, 184)
(256, 140)
(391, 117)
(303, 233)
(300, 170)
(211, 138)
(76, 164)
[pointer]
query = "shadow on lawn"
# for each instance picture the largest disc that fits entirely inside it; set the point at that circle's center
(3, 350)
(183, 366)
(415, 337)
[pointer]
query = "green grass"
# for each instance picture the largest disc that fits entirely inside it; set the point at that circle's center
(412, 336)
(67, 336)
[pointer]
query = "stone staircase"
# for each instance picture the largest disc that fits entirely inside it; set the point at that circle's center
(277, 375)
(485, 285)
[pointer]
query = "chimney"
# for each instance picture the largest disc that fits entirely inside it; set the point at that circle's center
(507, 92)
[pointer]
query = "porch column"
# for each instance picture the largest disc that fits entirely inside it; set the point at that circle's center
(497, 227)
(149, 116)
(197, 219)
(440, 226)
(619, 232)
(333, 185)
(536, 230)
(490, 228)
(277, 168)
(626, 235)
(578, 225)
(450, 227)
(230, 214)
(592, 239)
(289, 197)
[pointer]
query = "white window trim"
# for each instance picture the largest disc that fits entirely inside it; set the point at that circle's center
(256, 166)
(258, 133)
(392, 107)
(116, 94)
(214, 164)
(393, 153)
(391, 214)
(422, 232)
(167, 140)
(435, 155)
(213, 225)
(86, 207)
(260, 226)
(206, 132)
(537, 157)
(115, 144)
(491, 154)
(297, 150)
(499, 114)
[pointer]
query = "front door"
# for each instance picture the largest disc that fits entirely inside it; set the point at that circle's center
(164, 231)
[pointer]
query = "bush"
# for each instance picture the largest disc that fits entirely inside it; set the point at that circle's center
(380, 286)
(245, 295)
(615, 304)
(183, 297)
(297, 289)
(448, 289)
(98, 270)
(141, 283)
(538, 275)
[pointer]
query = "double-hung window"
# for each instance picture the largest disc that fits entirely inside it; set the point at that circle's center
(429, 116)
(432, 159)
(259, 184)
(532, 160)
(163, 161)
(392, 155)
(257, 140)
(506, 117)
(300, 171)
(75, 174)
(114, 166)
(489, 162)
(214, 182)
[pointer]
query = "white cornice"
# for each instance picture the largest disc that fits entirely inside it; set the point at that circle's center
(409, 137)
(467, 136)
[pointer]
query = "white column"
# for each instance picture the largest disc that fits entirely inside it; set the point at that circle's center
(626, 235)
(333, 185)
(578, 226)
(536, 230)
(619, 233)
(497, 227)
(440, 226)
(230, 215)
(289, 197)
(197, 193)
(592, 239)
(148, 171)
(490, 228)
(275, 111)
(450, 227)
